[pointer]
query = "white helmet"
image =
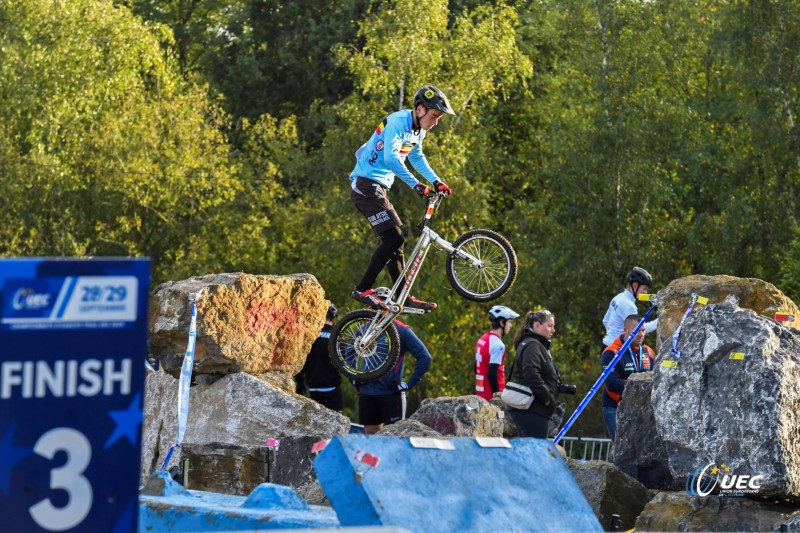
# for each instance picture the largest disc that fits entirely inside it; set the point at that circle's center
(501, 311)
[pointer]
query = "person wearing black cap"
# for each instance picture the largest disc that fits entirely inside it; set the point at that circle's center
(624, 304)
(324, 382)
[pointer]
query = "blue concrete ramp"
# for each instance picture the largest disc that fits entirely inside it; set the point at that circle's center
(456, 485)
(170, 507)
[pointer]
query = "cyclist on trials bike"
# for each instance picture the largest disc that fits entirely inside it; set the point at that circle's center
(379, 160)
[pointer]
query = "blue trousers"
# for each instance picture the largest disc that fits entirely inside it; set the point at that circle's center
(610, 416)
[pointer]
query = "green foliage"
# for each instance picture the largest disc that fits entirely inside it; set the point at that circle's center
(106, 151)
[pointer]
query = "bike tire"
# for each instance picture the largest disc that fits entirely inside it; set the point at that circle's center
(376, 360)
(494, 278)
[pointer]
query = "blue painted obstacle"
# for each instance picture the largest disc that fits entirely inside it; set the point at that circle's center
(477, 485)
(269, 506)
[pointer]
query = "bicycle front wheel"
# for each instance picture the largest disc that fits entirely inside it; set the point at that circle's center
(494, 272)
(362, 363)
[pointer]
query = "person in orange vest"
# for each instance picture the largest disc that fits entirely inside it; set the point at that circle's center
(638, 357)
(490, 353)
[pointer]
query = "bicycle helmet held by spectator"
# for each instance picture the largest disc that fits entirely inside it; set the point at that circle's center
(332, 312)
(640, 276)
(502, 312)
(430, 97)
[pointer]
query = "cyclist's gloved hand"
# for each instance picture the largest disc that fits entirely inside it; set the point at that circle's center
(401, 386)
(442, 187)
(422, 189)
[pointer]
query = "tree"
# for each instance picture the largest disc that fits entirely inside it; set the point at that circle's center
(105, 150)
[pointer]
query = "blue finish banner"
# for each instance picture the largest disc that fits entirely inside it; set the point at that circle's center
(73, 345)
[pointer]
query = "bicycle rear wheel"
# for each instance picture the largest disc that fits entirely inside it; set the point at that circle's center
(496, 272)
(367, 363)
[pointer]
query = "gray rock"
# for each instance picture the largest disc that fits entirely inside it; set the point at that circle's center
(291, 465)
(239, 410)
(232, 469)
(510, 430)
(409, 428)
(462, 416)
(742, 413)
(610, 491)
(677, 511)
(638, 449)
(792, 524)
(749, 293)
(224, 468)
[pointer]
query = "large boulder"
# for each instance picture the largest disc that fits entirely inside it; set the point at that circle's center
(234, 469)
(733, 399)
(239, 410)
(510, 430)
(677, 511)
(409, 428)
(462, 416)
(792, 524)
(245, 323)
(638, 449)
(610, 491)
(749, 293)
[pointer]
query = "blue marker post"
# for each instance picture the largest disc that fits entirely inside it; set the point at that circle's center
(603, 376)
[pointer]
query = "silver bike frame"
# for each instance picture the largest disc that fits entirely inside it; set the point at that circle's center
(408, 275)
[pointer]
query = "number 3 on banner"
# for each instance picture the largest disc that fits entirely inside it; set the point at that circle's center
(67, 478)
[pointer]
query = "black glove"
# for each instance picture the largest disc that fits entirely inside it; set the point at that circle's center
(422, 190)
(442, 187)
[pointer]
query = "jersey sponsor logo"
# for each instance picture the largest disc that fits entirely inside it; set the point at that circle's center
(379, 145)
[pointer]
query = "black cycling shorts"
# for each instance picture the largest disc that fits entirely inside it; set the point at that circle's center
(384, 409)
(371, 200)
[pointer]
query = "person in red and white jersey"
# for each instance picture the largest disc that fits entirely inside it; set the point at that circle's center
(490, 353)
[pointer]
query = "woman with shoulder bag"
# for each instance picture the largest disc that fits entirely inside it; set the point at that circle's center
(533, 367)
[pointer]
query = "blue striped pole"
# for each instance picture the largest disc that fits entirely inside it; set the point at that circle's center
(602, 377)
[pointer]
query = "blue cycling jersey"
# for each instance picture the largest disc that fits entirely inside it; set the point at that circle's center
(409, 342)
(384, 155)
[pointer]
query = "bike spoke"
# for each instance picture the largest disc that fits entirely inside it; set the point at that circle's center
(494, 271)
(361, 361)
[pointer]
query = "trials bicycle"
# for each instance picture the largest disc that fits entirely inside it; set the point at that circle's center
(481, 266)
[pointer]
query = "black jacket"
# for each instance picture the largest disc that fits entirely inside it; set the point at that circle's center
(318, 372)
(533, 366)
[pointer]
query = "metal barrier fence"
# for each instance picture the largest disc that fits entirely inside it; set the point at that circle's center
(586, 448)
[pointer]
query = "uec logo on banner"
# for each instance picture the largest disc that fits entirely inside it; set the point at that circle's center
(702, 481)
(27, 299)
